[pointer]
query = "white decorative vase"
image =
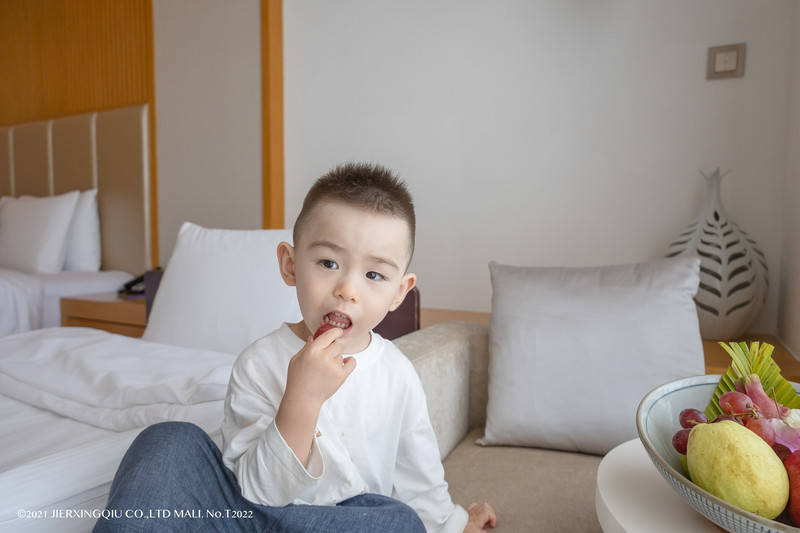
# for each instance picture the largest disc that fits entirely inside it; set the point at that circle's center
(733, 271)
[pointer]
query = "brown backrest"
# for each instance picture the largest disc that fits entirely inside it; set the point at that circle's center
(402, 320)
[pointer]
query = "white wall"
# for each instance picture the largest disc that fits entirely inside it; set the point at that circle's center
(556, 132)
(208, 115)
(789, 308)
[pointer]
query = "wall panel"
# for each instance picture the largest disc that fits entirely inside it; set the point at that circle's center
(66, 57)
(32, 172)
(208, 88)
(74, 153)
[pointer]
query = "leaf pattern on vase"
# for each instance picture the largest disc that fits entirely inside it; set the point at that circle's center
(734, 277)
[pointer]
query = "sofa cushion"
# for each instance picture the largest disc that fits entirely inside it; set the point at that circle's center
(441, 355)
(530, 489)
(573, 350)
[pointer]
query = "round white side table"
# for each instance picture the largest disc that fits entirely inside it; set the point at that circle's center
(632, 496)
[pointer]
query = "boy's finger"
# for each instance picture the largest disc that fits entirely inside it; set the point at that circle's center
(486, 514)
(349, 365)
(327, 337)
(332, 350)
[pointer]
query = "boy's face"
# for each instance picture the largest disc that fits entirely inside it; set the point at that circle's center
(351, 262)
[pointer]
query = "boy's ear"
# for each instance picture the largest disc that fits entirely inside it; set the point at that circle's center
(408, 282)
(286, 263)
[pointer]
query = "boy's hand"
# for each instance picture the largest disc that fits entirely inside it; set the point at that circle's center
(480, 515)
(315, 373)
(318, 370)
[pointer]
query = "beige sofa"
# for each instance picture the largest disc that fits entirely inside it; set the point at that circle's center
(530, 489)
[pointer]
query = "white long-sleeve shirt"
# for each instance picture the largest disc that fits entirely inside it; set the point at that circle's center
(373, 435)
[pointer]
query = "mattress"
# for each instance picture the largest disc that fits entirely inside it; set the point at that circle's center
(73, 399)
(32, 301)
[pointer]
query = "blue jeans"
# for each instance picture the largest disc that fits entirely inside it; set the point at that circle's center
(172, 478)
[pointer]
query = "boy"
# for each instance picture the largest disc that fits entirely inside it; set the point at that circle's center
(325, 412)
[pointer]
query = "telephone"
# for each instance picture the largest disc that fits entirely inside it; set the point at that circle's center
(133, 287)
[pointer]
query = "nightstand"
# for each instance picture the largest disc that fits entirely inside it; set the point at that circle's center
(107, 311)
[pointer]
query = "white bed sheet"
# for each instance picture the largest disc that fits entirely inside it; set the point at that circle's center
(28, 433)
(20, 302)
(50, 461)
(32, 301)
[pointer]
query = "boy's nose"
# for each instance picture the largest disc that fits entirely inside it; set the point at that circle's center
(346, 290)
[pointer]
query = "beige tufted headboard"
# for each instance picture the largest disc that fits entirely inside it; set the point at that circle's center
(104, 149)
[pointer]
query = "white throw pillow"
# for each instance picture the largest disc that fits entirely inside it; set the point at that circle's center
(83, 239)
(222, 290)
(573, 350)
(33, 232)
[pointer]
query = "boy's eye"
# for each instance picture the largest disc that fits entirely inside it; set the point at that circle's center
(328, 263)
(374, 276)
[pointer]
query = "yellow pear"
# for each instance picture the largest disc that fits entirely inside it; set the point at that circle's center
(734, 464)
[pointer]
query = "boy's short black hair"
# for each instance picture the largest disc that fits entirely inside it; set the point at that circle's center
(363, 185)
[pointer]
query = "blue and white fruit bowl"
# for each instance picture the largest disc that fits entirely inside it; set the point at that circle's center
(657, 422)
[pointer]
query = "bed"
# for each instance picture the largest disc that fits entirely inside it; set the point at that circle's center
(101, 159)
(72, 399)
(64, 430)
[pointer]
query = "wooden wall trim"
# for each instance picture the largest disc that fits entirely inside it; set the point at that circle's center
(153, 174)
(272, 113)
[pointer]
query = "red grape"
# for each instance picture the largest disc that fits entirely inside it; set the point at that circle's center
(689, 418)
(735, 403)
(680, 440)
(762, 428)
(322, 329)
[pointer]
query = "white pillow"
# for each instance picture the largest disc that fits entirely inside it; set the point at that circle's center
(33, 232)
(83, 239)
(222, 290)
(573, 350)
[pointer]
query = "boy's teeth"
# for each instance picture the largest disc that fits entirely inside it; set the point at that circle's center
(337, 320)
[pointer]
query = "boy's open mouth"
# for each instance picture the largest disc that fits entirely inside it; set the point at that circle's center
(337, 320)
(334, 319)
